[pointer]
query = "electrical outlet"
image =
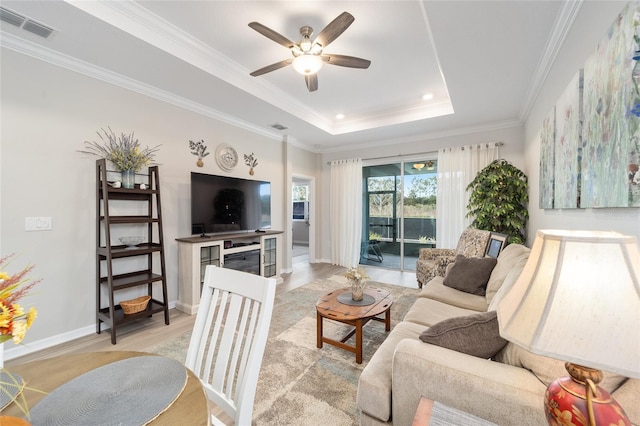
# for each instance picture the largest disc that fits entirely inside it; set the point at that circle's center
(40, 223)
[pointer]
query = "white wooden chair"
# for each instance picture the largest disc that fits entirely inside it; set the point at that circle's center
(229, 338)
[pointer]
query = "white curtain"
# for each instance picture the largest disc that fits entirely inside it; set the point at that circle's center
(346, 212)
(457, 167)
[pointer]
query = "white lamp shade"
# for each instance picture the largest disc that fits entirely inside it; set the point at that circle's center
(307, 64)
(578, 300)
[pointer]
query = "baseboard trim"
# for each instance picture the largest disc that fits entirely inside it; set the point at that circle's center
(38, 345)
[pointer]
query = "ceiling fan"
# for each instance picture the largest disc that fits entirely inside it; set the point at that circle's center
(308, 56)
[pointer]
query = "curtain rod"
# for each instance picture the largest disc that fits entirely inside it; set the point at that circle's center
(420, 153)
(376, 158)
(477, 144)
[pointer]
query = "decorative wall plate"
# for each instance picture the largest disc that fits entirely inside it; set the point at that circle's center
(226, 157)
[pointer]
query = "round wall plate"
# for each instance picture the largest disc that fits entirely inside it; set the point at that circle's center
(226, 157)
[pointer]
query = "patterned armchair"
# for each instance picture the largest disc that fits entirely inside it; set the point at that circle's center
(433, 262)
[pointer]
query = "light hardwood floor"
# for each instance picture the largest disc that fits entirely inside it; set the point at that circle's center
(149, 332)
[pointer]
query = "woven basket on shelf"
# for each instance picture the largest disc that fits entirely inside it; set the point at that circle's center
(133, 306)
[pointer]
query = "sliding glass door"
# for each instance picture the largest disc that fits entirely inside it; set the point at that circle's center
(398, 214)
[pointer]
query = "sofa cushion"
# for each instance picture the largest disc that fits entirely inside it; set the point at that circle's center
(428, 312)
(512, 256)
(628, 396)
(547, 369)
(436, 290)
(508, 282)
(470, 274)
(476, 334)
(374, 385)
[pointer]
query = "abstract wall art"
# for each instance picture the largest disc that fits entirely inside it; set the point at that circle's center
(547, 160)
(611, 123)
(590, 148)
(568, 141)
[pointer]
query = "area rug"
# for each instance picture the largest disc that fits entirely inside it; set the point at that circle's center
(300, 384)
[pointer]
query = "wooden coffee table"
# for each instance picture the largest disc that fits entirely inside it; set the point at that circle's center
(330, 307)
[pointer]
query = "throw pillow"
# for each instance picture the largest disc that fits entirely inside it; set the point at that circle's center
(548, 369)
(470, 274)
(475, 334)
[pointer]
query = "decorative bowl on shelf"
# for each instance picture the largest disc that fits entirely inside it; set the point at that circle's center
(131, 242)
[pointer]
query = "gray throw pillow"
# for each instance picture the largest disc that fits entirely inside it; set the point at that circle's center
(475, 334)
(470, 274)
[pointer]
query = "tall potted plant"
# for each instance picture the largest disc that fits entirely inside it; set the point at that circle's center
(498, 200)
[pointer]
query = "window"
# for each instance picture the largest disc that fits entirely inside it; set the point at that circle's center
(300, 210)
(300, 197)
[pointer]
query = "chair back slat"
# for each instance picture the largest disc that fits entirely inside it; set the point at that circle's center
(254, 312)
(225, 345)
(212, 309)
(229, 337)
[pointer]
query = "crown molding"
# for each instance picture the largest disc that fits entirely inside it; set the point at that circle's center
(395, 116)
(138, 21)
(36, 51)
(487, 127)
(562, 25)
(134, 19)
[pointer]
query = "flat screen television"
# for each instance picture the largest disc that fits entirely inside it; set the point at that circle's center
(222, 204)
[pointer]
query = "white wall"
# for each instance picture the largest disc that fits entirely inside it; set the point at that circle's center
(590, 26)
(47, 114)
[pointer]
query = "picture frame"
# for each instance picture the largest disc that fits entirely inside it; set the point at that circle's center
(495, 245)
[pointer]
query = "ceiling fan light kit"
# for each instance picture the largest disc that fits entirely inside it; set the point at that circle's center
(307, 54)
(307, 64)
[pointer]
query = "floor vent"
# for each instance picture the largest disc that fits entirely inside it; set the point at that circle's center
(25, 23)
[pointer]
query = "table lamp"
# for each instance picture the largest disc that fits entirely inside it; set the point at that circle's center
(578, 300)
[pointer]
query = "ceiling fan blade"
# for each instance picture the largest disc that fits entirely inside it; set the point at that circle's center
(271, 67)
(334, 29)
(346, 61)
(269, 33)
(312, 82)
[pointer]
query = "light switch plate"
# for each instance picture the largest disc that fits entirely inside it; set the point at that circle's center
(39, 223)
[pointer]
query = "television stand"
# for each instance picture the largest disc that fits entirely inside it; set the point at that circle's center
(258, 250)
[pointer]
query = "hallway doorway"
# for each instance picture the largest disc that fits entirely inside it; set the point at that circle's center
(302, 229)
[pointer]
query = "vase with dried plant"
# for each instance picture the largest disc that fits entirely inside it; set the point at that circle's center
(357, 278)
(124, 152)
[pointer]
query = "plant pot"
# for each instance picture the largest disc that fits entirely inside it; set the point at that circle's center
(199, 163)
(128, 179)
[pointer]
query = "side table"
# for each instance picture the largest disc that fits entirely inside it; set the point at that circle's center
(431, 413)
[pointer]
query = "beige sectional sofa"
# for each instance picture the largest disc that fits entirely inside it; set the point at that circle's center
(508, 389)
